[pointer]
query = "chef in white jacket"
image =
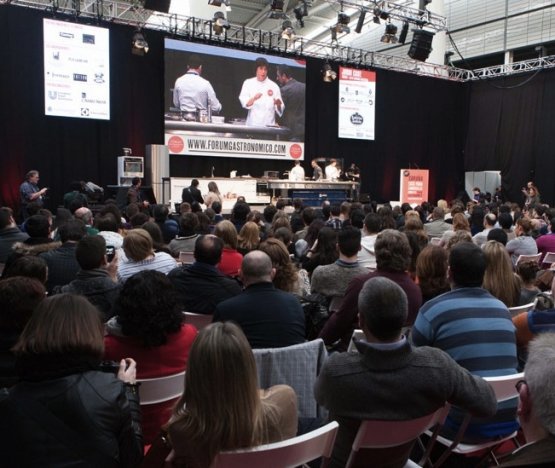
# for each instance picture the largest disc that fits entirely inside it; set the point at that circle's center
(261, 97)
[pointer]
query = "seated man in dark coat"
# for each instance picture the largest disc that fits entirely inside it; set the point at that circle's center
(201, 286)
(269, 317)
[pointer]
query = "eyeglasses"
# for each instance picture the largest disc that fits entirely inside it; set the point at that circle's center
(519, 385)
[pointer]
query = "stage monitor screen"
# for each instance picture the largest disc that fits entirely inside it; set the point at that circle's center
(76, 70)
(357, 102)
(233, 103)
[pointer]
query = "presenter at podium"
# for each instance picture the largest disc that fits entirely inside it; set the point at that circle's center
(261, 97)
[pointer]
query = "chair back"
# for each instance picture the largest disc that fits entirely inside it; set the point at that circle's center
(186, 258)
(358, 334)
(528, 258)
(297, 366)
(161, 389)
(549, 258)
(285, 454)
(435, 241)
(198, 320)
(504, 386)
(514, 311)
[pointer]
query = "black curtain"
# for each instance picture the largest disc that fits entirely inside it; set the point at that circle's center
(420, 122)
(511, 128)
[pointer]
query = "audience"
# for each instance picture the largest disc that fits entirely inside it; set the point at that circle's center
(323, 251)
(204, 424)
(431, 272)
(149, 327)
(188, 235)
(524, 243)
(437, 226)
(9, 233)
(499, 278)
(527, 272)
(367, 255)
(230, 262)
(249, 238)
(29, 266)
(58, 356)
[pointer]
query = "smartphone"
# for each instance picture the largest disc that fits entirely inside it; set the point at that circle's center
(110, 252)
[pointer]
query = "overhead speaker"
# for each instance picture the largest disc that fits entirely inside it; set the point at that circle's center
(421, 44)
(158, 5)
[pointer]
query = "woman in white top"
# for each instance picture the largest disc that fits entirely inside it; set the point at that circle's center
(213, 195)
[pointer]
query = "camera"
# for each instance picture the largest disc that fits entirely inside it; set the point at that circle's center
(111, 367)
(110, 252)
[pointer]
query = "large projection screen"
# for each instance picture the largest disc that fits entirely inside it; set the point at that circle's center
(238, 129)
(76, 70)
(357, 99)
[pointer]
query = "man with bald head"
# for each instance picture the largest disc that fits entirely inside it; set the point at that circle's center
(269, 317)
(85, 215)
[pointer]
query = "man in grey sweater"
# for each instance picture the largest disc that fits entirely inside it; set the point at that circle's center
(388, 379)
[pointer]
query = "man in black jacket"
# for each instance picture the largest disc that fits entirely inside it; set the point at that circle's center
(192, 194)
(200, 286)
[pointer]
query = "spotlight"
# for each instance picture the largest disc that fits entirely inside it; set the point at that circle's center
(404, 32)
(422, 4)
(360, 22)
(343, 21)
(218, 3)
(140, 46)
(219, 22)
(421, 44)
(276, 11)
(287, 31)
(328, 73)
(390, 35)
(300, 11)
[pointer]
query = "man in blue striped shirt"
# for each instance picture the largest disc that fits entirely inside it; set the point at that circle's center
(476, 330)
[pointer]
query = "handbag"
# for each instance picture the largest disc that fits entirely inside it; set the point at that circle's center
(158, 453)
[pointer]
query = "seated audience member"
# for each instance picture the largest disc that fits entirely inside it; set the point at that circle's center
(458, 237)
(388, 379)
(203, 223)
(505, 222)
(85, 215)
(169, 227)
(499, 235)
(523, 243)
(367, 255)
(288, 277)
(307, 215)
(437, 226)
(149, 326)
(545, 243)
(269, 317)
(470, 314)
(18, 298)
(460, 223)
(9, 233)
(96, 280)
(431, 272)
(138, 219)
(285, 235)
(536, 407)
(418, 241)
(62, 217)
(217, 207)
(392, 258)
(58, 356)
(527, 272)
(38, 228)
(332, 280)
(230, 262)
(75, 194)
(61, 262)
(157, 241)
(499, 278)
(323, 251)
(204, 424)
(29, 266)
(140, 254)
(304, 245)
(201, 286)
(239, 214)
(335, 222)
(481, 237)
(188, 235)
(108, 227)
(541, 319)
(249, 238)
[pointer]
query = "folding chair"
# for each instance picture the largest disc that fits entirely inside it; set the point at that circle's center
(285, 454)
(161, 389)
(198, 320)
(528, 258)
(519, 309)
(186, 258)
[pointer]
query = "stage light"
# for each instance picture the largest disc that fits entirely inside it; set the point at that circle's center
(404, 32)
(343, 20)
(276, 11)
(287, 31)
(218, 3)
(421, 44)
(328, 73)
(360, 22)
(390, 35)
(140, 46)
(300, 11)
(219, 22)
(422, 4)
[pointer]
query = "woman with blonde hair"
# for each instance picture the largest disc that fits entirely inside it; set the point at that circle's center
(499, 278)
(249, 238)
(460, 223)
(213, 195)
(206, 422)
(287, 277)
(230, 263)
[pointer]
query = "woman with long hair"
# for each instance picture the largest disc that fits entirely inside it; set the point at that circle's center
(460, 223)
(213, 195)
(287, 277)
(499, 278)
(206, 422)
(58, 358)
(303, 245)
(431, 272)
(230, 263)
(149, 326)
(323, 251)
(249, 238)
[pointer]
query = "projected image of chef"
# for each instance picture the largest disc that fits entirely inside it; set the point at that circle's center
(261, 97)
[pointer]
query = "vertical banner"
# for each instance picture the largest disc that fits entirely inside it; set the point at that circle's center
(414, 186)
(357, 98)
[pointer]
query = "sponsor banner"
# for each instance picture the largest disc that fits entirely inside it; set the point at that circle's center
(200, 145)
(414, 185)
(357, 98)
